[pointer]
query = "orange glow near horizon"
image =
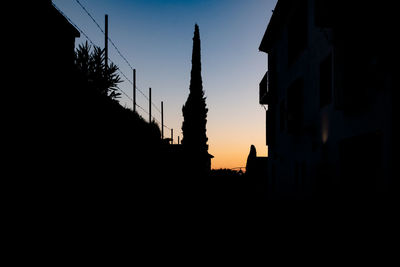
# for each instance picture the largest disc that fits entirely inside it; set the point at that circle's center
(230, 145)
(234, 158)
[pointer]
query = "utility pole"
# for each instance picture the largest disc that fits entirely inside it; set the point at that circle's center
(172, 136)
(150, 104)
(106, 41)
(134, 90)
(178, 140)
(162, 120)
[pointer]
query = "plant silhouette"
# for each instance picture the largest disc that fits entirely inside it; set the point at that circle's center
(90, 64)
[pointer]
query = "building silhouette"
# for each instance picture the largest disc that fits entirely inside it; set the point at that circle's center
(256, 170)
(53, 56)
(329, 89)
(40, 60)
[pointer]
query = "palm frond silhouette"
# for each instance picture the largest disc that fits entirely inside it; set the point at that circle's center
(90, 64)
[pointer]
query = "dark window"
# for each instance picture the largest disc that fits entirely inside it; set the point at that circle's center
(295, 103)
(297, 31)
(325, 81)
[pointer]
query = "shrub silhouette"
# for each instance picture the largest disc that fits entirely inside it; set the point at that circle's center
(90, 65)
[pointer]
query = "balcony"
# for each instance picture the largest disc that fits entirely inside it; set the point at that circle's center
(264, 90)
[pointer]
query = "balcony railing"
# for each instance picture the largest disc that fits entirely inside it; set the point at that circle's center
(264, 90)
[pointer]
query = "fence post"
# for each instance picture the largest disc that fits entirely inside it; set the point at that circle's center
(106, 41)
(150, 104)
(134, 90)
(162, 120)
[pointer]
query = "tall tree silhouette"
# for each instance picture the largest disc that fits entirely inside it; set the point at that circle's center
(195, 111)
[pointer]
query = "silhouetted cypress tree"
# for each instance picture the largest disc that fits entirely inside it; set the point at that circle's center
(195, 111)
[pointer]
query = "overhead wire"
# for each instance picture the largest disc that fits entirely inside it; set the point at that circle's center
(116, 48)
(119, 53)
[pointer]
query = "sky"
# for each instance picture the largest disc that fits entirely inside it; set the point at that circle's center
(155, 37)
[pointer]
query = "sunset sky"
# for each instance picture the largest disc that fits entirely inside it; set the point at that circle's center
(155, 36)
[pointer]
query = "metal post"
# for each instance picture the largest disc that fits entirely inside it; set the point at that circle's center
(106, 41)
(162, 120)
(134, 90)
(150, 104)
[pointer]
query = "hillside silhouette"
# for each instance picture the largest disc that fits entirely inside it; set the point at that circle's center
(67, 138)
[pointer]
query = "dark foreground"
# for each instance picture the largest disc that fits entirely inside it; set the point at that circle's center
(184, 222)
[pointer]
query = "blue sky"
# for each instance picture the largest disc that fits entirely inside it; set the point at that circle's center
(155, 36)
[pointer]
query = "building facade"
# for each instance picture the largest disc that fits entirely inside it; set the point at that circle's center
(329, 89)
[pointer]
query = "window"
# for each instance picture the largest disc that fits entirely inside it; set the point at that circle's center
(325, 81)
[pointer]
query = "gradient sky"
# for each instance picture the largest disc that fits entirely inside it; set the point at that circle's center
(155, 36)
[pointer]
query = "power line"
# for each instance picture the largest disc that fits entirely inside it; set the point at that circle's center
(130, 98)
(127, 62)
(113, 44)
(88, 13)
(98, 26)
(73, 24)
(118, 51)
(137, 88)
(87, 37)
(127, 79)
